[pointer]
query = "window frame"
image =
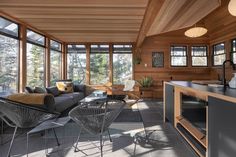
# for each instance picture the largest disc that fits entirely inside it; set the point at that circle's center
(42, 46)
(109, 57)
(9, 35)
(213, 55)
(232, 51)
(207, 54)
(44, 66)
(186, 48)
(58, 51)
(52, 48)
(121, 53)
(84, 53)
(18, 53)
(35, 43)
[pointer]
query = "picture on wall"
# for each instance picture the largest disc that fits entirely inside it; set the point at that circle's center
(157, 59)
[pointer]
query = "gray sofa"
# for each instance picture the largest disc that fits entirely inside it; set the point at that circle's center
(62, 102)
(68, 100)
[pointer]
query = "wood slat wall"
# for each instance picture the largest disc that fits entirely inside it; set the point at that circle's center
(162, 43)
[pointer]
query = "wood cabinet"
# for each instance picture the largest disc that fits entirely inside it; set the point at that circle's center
(218, 136)
(221, 128)
(169, 103)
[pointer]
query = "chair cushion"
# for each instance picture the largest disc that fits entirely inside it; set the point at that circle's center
(29, 89)
(53, 90)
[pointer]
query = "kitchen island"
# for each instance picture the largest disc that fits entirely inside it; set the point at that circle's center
(204, 116)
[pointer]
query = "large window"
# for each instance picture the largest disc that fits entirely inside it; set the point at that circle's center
(35, 59)
(122, 63)
(9, 48)
(55, 62)
(199, 55)
(219, 55)
(233, 51)
(76, 63)
(178, 56)
(99, 64)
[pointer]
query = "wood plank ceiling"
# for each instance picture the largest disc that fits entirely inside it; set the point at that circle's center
(175, 15)
(81, 20)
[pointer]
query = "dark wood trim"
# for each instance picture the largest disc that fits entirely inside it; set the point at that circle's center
(22, 59)
(110, 63)
(64, 61)
(47, 63)
(87, 64)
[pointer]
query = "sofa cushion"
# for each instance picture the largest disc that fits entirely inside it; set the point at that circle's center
(62, 103)
(39, 90)
(38, 100)
(76, 96)
(29, 89)
(65, 86)
(53, 90)
(79, 88)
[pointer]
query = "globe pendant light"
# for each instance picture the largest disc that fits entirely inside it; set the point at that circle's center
(232, 7)
(195, 32)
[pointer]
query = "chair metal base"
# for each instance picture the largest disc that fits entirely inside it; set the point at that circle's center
(12, 141)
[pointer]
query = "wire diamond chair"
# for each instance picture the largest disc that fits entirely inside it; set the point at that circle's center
(19, 115)
(96, 120)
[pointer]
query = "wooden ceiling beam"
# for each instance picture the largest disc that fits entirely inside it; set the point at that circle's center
(84, 25)
(152, 10)
(76, 10)
(85, 21)
(79, 17)
(75, 3)
(102, 30)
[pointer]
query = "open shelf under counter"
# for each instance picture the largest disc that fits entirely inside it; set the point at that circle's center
(196, 133)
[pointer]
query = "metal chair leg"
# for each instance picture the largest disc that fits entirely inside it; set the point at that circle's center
(109, 135)
(27, 145)
(76, 145)
(58, 144)
(77, 141)
(12, 140)
(2, 131)
(101, 144)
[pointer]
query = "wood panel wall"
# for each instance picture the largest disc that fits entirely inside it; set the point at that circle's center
(221, 28)
(162, 43)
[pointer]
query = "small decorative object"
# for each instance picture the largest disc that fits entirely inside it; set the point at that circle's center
(137, 60)
(195, 32)
(157, 59)
(99, 93)
(146, 81)
(232, 7)
(232, 82)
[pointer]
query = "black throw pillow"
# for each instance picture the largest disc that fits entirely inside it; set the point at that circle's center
(29, 89)
(53, 90)
(39, 90)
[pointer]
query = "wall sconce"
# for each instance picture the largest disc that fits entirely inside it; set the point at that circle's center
(232, 7)
(145, 65)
